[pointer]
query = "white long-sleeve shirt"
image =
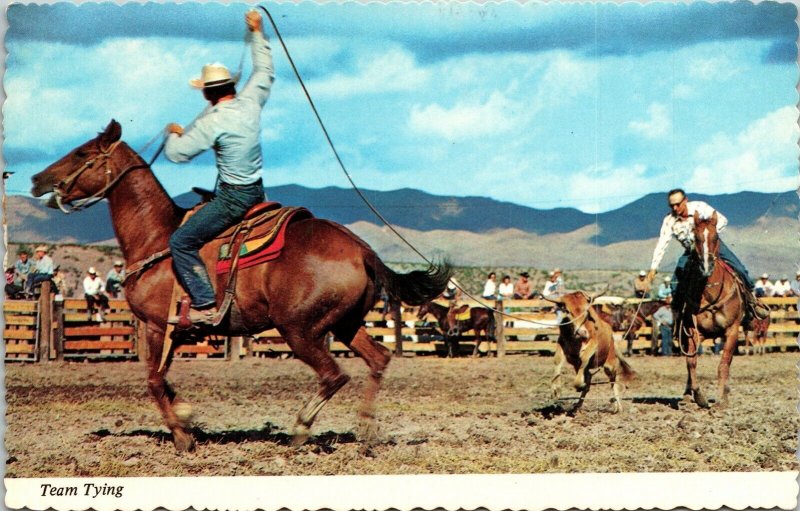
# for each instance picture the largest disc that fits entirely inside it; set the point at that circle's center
(232, 128)
(93, 286)
(681, 229)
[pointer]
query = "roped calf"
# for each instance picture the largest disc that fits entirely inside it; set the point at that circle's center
(586, 341)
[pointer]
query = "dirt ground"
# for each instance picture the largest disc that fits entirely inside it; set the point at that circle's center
(436, 416)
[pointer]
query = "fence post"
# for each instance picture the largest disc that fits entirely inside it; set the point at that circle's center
(499, 330)
(45, 322)
(58, 336)
(397, 316)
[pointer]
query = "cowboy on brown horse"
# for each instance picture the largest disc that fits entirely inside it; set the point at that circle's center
(231, 126)
(679, 224)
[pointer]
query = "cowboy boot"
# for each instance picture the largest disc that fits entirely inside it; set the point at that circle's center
(758, 308)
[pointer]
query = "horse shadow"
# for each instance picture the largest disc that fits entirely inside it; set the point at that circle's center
(325, 442)
(557, 408)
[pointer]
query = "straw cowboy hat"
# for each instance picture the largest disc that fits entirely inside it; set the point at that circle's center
(41, 248)
(92, 271)
(213, 75)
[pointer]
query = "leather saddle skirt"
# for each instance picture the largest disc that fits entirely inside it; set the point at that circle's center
(259, 238)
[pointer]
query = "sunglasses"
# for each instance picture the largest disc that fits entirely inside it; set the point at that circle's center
(676, 204)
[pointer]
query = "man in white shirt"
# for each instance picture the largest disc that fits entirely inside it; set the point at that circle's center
(782, 287)
(554, 286)
(94, 292)
(679, 224)
(763, 286)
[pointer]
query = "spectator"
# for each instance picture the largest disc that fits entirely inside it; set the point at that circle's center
(554, 287)
(94, 292)
(41, 272)
(782, 287)
(60, 287)
(665, 289)
(522, 288)
(23, 267)
(114, 279)
(453, 291)
(663, 319)
(795, 286)
(490, 287)
(641, 286)
(763, 287)
(505, 290)
(13, 290)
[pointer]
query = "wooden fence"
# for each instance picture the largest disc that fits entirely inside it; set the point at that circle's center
(49, 330)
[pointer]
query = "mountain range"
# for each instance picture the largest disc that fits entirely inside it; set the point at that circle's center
(499, 232)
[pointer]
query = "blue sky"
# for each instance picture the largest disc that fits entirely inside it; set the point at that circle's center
(589, 106)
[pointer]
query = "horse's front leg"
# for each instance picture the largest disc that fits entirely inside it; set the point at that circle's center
(691, 343)
(724, 368)
(175, 413)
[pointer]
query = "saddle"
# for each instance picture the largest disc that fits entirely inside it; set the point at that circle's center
(461, 313)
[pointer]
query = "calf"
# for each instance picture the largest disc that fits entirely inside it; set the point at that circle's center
(755, 335)
(586, 342)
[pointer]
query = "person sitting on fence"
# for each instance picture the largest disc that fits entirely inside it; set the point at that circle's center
(554, 287)
(663, 320)
(114, 279)
(763, 287)
(452, 292)
(782, 288)
(490, 287)
(94, 292)
(665, 289)
(13, 291)
(59, 284)
(41, 272)
(522, 288)
(795, 285)
(22, 267)
(641, 287)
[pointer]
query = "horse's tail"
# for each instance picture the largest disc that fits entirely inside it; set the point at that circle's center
(413, 288)
(626, 373)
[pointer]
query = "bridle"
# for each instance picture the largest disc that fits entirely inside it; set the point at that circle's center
(101, 160)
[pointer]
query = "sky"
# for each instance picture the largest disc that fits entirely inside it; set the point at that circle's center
(543, 105)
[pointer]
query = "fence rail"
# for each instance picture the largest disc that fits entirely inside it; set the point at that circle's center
(48, 330)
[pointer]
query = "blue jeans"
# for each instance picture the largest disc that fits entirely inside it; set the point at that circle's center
(36, 278)
(666, 340)
(226, 209)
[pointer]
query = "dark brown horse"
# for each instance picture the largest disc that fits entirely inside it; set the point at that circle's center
(713, 306)
(326, 280)
(479, 320)
(628, 319)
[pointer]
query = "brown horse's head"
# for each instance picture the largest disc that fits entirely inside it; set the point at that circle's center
(424, 309)
(82, 172)
(706, 243)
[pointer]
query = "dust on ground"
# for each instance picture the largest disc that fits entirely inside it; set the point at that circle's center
(435, 415)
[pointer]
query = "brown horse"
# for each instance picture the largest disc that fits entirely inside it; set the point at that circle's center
(479, 320)
(713, 306)
(628, 319)
(326, 280)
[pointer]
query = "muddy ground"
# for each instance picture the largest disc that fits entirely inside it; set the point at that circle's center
(435, 415)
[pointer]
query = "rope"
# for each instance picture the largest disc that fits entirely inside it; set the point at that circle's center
(353, 184)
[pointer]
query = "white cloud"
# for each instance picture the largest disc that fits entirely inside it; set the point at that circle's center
(658, 125)
(565, 78)
(604, 186)
(683, 91)
(465, 121)
(762, 157)
(388, 71)
(717, 68)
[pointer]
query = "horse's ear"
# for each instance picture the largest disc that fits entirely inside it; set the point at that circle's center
(112, 133)
(714, 218)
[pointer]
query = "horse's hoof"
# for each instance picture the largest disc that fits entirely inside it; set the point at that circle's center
(700, 399)
(301, 435)
(368, 432)
(183, 441)
(183, 411)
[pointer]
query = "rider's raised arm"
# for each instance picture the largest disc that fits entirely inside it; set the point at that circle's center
(663, 241)
(198, 137)
(260, 82)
